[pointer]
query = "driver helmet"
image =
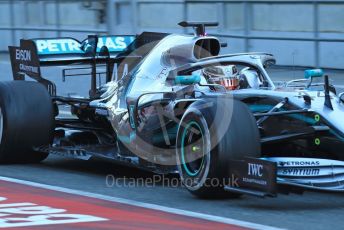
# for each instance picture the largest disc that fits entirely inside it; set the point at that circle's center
(227, 76)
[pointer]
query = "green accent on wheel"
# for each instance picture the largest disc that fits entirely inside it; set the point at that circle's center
(317, 141)
(184, 164)
(195, 148)
(317, 117)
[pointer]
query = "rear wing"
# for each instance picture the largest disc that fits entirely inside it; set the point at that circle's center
(64, 51)
(119, 54)
(27, 59)
(69, 50)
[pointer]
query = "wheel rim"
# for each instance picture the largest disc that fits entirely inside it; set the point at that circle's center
(192, 143)
(1, 125)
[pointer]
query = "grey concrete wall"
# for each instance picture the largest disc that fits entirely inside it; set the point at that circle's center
(294, 20)
(258, 18)
(73, 15)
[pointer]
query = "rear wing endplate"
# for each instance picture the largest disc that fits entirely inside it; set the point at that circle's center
(25, 60)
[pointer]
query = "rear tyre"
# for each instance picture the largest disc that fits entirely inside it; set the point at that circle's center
(26, 121)
(205, 145)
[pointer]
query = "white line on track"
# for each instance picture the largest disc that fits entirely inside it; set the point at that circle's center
(144, 205)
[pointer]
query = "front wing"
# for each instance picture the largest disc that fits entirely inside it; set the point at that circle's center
(269, 176)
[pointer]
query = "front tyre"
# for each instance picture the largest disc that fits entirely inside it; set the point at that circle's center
(206, 142)
(193, 151)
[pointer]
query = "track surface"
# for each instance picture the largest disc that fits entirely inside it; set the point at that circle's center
(310, 211)
(48, 209)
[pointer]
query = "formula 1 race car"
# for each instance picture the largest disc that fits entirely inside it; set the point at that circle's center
(172, 104)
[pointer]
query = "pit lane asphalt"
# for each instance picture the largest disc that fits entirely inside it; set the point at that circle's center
(309, 211)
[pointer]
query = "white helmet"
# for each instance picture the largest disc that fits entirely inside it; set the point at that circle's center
(227, 76)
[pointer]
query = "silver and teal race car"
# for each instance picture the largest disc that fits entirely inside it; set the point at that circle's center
(172, 104)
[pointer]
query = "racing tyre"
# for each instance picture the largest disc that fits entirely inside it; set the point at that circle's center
(211, 133)
(26, 121)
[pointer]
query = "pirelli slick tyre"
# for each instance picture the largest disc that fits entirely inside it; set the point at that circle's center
(26, 121)
(207, 141)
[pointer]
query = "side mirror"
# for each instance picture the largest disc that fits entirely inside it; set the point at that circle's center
(311, 73)
(269, 63)
(187, 79)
